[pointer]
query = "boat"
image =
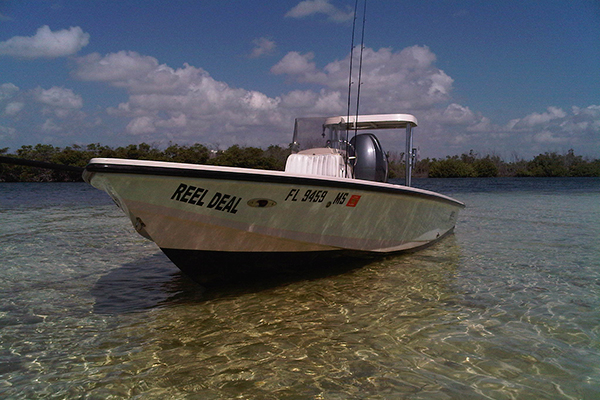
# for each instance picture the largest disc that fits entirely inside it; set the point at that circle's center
(332, 200)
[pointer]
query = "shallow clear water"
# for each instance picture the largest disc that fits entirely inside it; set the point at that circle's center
(506, 308)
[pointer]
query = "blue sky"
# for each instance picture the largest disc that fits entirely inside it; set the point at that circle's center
(513, 78)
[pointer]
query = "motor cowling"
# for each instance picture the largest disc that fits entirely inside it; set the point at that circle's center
(369, 161)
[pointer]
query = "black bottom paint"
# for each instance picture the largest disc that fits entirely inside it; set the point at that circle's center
(207, 267)
(216, 267)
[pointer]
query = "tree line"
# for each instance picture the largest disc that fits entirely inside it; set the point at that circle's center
(472, 165)
(273, 158)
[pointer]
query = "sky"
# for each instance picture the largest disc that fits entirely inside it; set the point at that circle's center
(514, 78)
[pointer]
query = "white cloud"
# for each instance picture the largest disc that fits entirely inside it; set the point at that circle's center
(311, 7)
(187, 104)
(37, 112)
(299, 66)
(329, 102)
(557, 125)
(7, 133)
(263, 46)
(14, 108)
(457, 114)
(537, 119)
(50, 126)
(546, 137)
(141, 125)
(61, 102)
(483, 124)
(46, 44)
(179, 103)
(535, 133)
(176, 121)
(584, 119)
(183, 103)
(406, 79)
(299, 99)
(58, 97)
(7, 90)
(118, 69)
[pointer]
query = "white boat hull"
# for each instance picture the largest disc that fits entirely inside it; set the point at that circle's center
(189, 209)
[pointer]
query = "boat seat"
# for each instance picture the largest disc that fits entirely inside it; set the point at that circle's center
(318, 161)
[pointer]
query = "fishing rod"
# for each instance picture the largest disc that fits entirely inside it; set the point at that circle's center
(350, 83)
(362, 47)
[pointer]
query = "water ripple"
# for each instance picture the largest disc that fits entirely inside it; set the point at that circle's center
(507, 308)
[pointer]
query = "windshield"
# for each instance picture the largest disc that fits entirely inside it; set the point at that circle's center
(310, 133)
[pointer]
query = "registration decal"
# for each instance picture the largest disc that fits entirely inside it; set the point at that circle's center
(353, 200)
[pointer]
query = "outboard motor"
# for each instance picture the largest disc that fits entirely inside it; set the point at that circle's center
(370, 162)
